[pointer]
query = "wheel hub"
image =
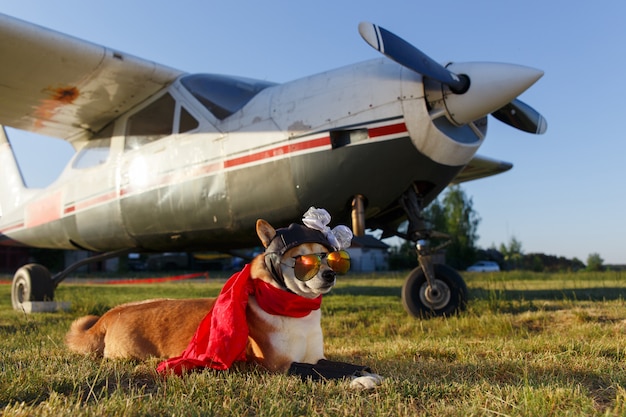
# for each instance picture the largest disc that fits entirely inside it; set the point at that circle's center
(20, 292)
(436, 296)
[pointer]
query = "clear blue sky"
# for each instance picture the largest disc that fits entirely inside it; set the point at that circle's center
(565, 195)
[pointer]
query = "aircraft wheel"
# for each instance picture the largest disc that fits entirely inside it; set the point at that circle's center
(31, 282)
(448, 297)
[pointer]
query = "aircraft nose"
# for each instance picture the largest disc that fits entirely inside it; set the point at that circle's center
(492, 86)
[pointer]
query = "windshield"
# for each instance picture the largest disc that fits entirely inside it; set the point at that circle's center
(223, 95)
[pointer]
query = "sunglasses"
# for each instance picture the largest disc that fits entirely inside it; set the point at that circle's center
(305, 267)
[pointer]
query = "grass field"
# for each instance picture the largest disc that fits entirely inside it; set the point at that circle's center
(528, 345)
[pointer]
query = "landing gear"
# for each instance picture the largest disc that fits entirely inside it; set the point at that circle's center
(358, 215)
(445, 295)
(34, 283)
(31, 282)
(431, 289)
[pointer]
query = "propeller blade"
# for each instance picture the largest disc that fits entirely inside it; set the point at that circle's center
(521, 116)
(485, 95)
(407, 55)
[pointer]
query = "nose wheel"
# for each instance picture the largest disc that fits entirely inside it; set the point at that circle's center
(431, 289)
(445, 295)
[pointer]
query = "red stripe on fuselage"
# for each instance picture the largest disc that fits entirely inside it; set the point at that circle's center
(11, 228)
(373, 133)
(376, 132)
(89, 202)
(278, 151)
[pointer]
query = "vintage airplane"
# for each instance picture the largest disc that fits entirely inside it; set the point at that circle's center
(170, 161)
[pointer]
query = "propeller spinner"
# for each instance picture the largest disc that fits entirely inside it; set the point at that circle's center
(473, 89)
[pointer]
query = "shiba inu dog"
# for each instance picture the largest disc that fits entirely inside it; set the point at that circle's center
(268, 313)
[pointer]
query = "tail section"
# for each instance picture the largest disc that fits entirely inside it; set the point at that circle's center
(86, 336)
(12, 186)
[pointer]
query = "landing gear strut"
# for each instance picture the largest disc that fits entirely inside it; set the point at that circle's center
(34, 283)
(431, 289)
(358, 215)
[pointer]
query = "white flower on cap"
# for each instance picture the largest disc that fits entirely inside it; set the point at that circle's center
(318, 219)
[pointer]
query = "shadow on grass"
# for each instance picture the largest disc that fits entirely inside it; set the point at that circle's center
(480, 293)
(571, 294)
(368, 290)
(503, 300)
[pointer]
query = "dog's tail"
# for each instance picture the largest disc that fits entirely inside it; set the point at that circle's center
(86, 336)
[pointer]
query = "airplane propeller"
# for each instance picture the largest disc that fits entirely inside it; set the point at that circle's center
(506, 82)
(521, 116)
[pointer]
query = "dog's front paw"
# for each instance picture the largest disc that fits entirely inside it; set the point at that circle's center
(366, 381)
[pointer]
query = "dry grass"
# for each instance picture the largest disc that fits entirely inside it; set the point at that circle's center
(529, 344)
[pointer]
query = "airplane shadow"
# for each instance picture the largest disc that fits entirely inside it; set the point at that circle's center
(480, 293)
(506, 300)
(372, 290)
(572, 294)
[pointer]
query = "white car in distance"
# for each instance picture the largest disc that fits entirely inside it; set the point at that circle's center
(484, 266)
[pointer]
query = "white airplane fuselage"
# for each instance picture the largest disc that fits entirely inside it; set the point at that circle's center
(364, 129)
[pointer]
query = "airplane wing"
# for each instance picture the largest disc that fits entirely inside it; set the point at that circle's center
(57, 85)
(480, 167)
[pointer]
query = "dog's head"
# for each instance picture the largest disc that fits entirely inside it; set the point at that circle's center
(298, 258)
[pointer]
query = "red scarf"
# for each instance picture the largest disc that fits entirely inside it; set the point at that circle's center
(222, 336)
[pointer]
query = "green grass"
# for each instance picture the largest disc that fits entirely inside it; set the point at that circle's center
(529, 344)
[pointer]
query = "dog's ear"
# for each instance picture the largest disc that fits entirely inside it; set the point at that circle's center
(265, 231)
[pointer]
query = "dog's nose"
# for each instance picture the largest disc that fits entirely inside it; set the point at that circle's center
(328, 275)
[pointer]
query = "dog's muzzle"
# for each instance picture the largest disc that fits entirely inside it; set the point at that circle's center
(329, 276)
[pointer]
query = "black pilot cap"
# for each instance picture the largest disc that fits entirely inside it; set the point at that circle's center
(294, 235)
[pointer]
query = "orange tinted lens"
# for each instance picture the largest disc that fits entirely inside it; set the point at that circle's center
(339, 261)
(306, 267)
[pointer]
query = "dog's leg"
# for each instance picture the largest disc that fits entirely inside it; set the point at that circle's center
(361, 376)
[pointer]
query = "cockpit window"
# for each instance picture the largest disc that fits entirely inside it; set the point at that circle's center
(223, 95)
(187, 121)
(151, 123)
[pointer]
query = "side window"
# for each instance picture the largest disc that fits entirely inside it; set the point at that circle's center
(187, 121)
(96, 151)
(151, 123)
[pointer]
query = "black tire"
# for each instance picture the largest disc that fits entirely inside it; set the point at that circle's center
(31, 282)
(450, 298)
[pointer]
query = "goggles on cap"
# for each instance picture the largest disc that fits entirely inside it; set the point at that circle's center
(305, 267)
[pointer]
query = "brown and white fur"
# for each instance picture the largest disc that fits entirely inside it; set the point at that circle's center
(163, 327)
